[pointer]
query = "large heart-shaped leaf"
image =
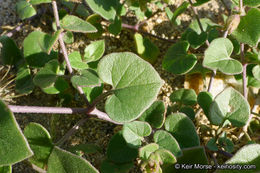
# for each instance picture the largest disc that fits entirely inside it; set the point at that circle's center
(75, 24)
(107, 9)
(229, 105)
(13, 145)
(196, 40)
(25, 9)
(47, 76)
(177, 60)
(63, 162)
(9, 52)
(247, 155)
(135, 85)
(36, 47)
(119, 151)
(167, 141)
(183, 129)
(155, 114)
(217, 57)
(40, 142)
(248, 30)
(134, 132)
(94, 51)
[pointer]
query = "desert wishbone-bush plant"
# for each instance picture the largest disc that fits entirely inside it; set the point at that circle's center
(159, 137)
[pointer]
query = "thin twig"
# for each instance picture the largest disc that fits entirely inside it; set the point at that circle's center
(214, 72)
(245, 93)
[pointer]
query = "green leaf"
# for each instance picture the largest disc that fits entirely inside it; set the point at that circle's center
(109, 167)
(119, 151)
(88, 78)
(196, 40)
(229, 105)
(206, 23)
(146, 49)
(166, 141)
(204, 100)
(107, 9)
(36, 2)
(68, 37)
(251, 3)
(36, 48)
(59, 86)
(200, 2)
(166, 156)
(211, 144)
(115, 27)
(226, 143)
(182, 129)
(191, 156)
(94, 51)
(184, 96)
(248, 30)
(135, 85)
(40, 143)
(95, 20)
(63, 162)
(9, 52)
(247, 155)
(76, 24)
(6, 169)
(182, 8)
(85, 148)
(134, 132)
(177, 60)
(92, 93)
(256, 72)
(189, 111)
(47, 76)
(13, 145)
(25, 9)
(155, 114)
(217, 57)
(76, 61)
(147, 150)
(81, 10)
(23, 81)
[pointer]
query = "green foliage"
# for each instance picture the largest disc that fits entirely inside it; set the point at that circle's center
(147, 150)
(134, 132)
(173, 15)
(229, 105)
(94, 51)
(76, 61)
(88, 78)
(62, 161)
(184, 96)
(108, 167)
(217, 57)
(166, 141)
(146, 49)
(23, 81)
(154, 115)
(182, 129)
(75, 24)
(36, 54)
(119, 151)
(115, 27)
(13, 145)
(256, 72)
(25, 9)
(5, 169)
(106, 9)
(177, 60)
(40, 142)
(204, 100)
(9, 52)
(131, 78)
(248, 30)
